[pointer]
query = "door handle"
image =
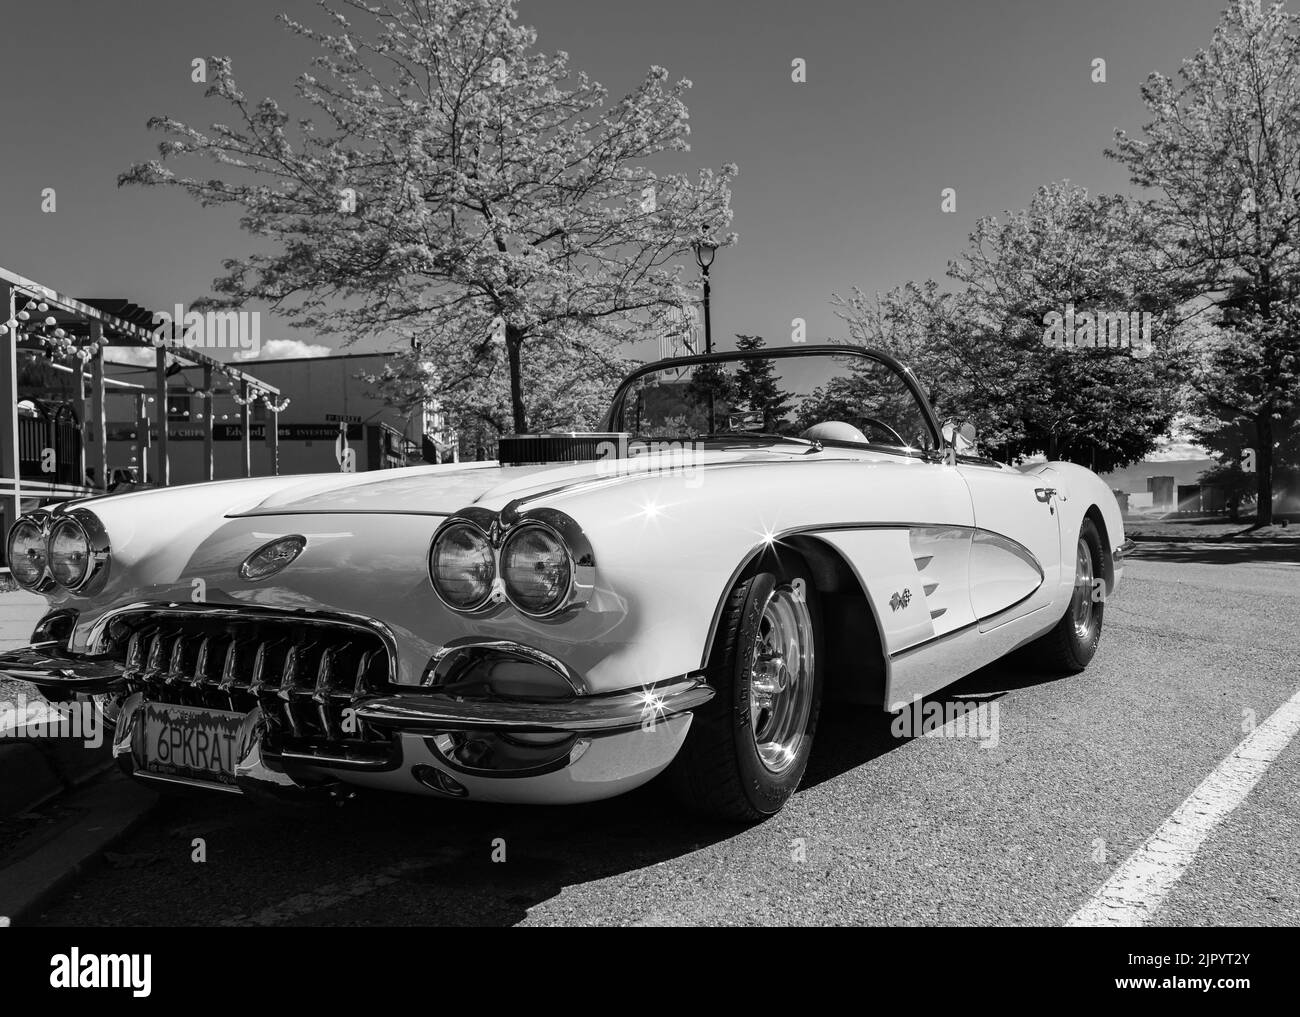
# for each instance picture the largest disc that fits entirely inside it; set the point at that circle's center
(1044, 494)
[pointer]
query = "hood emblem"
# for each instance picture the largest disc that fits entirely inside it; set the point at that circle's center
(270, 558)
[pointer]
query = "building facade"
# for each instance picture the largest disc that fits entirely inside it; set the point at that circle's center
(56, 390)
(330, 419)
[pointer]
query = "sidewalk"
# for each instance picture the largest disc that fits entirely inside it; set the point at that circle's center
(62, 803)
(35, 767)
(1175, 531)
(19, 613)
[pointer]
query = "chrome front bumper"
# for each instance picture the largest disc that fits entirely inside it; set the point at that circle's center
(47, 664)
(435, 719)
(420, 712)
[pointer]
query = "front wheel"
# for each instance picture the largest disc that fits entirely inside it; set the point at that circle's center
(1070, 646)
(747, 749)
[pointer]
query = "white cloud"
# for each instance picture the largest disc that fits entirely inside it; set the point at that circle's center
(287, 349)
(136, 356)
(1177, 451)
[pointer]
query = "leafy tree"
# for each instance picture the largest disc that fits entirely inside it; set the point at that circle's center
(862, 391)
(926, 329)
(1102, 407)
(1222, 154)
(712, 387)
(982, 352)
(758, 387)
(1237, 484)
(456, 187)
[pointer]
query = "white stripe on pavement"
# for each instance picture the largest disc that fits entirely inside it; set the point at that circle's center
(1131, 896)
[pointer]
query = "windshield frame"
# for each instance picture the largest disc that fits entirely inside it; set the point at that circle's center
(816, 349)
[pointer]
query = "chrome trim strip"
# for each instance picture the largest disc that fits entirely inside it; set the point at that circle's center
(570, 751)
(255, 770)
(939, 637)
(814, 528)
(259, 513)
(612, 712)
(456, 647)
(1012, 547)
(47, 662)
(316, 619)
(366, 764)
(124, 731)
(44, 630)
(201, 785)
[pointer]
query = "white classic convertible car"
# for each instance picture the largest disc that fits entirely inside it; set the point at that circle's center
(754, 532)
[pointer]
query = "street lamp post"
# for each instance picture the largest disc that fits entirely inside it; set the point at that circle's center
(704, 252)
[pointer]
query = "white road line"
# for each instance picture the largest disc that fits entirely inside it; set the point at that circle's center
(1138, 887)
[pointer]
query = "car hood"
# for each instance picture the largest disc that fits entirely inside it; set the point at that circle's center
(442, 490)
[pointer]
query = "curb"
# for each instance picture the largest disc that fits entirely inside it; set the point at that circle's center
(1227, 539)
(105, 812)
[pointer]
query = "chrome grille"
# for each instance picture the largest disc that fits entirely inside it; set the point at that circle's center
(303, 672)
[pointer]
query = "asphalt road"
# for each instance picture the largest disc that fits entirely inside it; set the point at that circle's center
(929, 830)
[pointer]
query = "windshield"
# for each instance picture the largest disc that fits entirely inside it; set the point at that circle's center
(828, 397)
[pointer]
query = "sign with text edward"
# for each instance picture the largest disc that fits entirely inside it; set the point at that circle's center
(299, 448)
(235, 432)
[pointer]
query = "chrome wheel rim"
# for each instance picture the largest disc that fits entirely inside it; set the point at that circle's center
(1085, 615)
(781, 679)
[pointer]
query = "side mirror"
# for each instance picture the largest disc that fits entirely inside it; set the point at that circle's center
(960, 435)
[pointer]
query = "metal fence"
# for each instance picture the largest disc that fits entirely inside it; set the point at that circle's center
(49, 443)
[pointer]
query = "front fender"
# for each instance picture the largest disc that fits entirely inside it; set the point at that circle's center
(1087, 491)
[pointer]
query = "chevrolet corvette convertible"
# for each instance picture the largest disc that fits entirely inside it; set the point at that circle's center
(755, 537)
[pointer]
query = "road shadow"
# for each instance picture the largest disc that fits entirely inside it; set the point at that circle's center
(850, 736)
(1219, 554)
(394, 859)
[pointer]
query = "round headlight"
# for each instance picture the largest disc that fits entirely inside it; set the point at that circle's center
(537, 570)
(27, 553)
(461, 566)
(69, 553)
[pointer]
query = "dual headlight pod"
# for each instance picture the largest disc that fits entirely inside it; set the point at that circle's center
(68, 550)
(462, 566)
(542, 564)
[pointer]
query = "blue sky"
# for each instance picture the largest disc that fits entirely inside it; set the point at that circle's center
(840, 177)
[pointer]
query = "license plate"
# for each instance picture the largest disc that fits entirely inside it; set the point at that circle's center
(190, 742)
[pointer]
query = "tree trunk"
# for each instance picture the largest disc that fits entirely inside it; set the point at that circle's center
(1264, 469)
(514, 342)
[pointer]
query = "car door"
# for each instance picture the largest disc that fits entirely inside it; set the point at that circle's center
(1015, 562)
